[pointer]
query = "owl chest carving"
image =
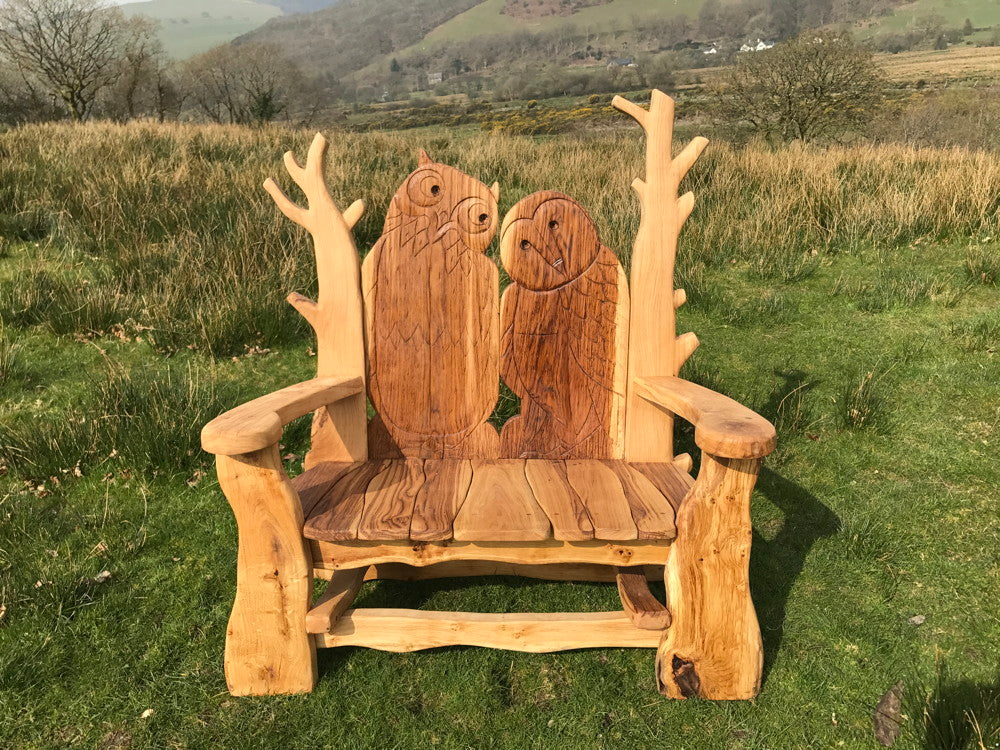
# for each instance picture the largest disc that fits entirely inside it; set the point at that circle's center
(563, 333)
(431, 311)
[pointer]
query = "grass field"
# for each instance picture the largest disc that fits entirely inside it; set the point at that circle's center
(188, 27)
(850, 295)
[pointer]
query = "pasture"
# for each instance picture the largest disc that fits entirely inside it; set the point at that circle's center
(847, 294)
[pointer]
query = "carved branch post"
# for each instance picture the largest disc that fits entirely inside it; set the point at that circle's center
(654, 347)
(713, 647)
(339, 431)
(267, 648)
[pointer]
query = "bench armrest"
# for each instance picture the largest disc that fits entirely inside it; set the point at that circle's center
(722, 427)
(258, 423)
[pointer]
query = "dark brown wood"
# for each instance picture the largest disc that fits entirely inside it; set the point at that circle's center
(313, 484)
(431, 302)
(644, 609)
(446, 485)
(564, 329)
(389, 501)
(336, 517)
(653, 514)
(672, 483)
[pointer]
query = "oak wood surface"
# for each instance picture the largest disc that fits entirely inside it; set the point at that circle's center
(564, 333)
(339, 428)
(654, 347)
(352, 554)
(500, 506)
(642, 607)
(257, 424)
(604, 497)
(313, 484)
(403, 630)
(431, 302)
(267, 649)
(446, 485)
(339, 595)
(389, 500)
(464, 568)
(722, 427)
(713, 647)
(338, 514)
(654, 518)
(556, 496)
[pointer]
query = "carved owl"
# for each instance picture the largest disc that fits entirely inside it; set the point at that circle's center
(431, 309)
(564, 328)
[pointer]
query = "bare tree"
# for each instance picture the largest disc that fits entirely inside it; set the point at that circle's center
(806, 88)
(69, 48)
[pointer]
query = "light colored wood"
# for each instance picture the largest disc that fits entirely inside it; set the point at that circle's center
(668, 479)
(446, 485)
(465, 568)
(337, 555)
(684, 462)
(339, 429)
(713, 648)
(604, 497)
(339, 595)
(337, 516)
(500, 506)
(257, 424)
(313, 484)
(267, 649)
(652, 513)
(640, 605)
(654, 348)
(432, 309)
(564, 324)
(722, 427)
(389, 500)
(403, 630)
(555, 495)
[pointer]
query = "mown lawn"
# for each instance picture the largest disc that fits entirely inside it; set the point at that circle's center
(850, 296)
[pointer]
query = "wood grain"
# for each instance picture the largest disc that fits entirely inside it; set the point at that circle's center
(713, 647)
(722, 427)
(431, 301)
(389, 500)
(563, 507)
(564, 324)
(257, 424)
(463, 568)
(642, 607)
(654, 347)
(500, 506)
(652, 513)
(337, 516)
(313, 484)
(446, 485)
(672, 483)
(338, 430)
(403, 630)
(604, 497)
(339, 595)
(267, 649)
(352, 554)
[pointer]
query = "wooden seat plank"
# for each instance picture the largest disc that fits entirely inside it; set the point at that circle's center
(389, 501)
(445, 487)
(673, 483)
(500, 506)
(652, 512)
(336, 517)
(313, 484)
(552, 491)
(603, 496)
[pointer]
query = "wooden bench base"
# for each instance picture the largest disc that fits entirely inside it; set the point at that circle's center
(404, 630)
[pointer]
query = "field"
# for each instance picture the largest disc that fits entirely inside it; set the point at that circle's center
(951, 65)
(188, 27)
(848, 294)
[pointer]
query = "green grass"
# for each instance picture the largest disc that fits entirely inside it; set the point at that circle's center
(188, 27)
(879, 504)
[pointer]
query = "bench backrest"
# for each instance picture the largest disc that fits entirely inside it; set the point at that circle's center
(439, 339)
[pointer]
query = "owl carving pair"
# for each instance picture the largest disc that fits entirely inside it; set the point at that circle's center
(436, 342)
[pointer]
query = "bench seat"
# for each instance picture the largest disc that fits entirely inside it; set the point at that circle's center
(505, 500)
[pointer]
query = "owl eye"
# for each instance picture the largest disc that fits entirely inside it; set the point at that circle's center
(553, 224)
(525, 245)
(424, 187)
(435, 189)
(473, 216)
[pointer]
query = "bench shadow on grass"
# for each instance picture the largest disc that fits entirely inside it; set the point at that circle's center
(775, 564)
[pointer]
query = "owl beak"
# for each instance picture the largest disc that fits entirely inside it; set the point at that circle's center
(445, 228)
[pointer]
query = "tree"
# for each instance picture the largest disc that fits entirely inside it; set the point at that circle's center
(806, 88)
(71, 49)
(967, 27)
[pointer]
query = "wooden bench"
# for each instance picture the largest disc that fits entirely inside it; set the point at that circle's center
(582, 484)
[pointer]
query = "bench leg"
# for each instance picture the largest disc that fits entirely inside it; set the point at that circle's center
(267, 648)
(713, 647)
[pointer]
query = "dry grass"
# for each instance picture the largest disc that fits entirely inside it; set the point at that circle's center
(946, 64)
